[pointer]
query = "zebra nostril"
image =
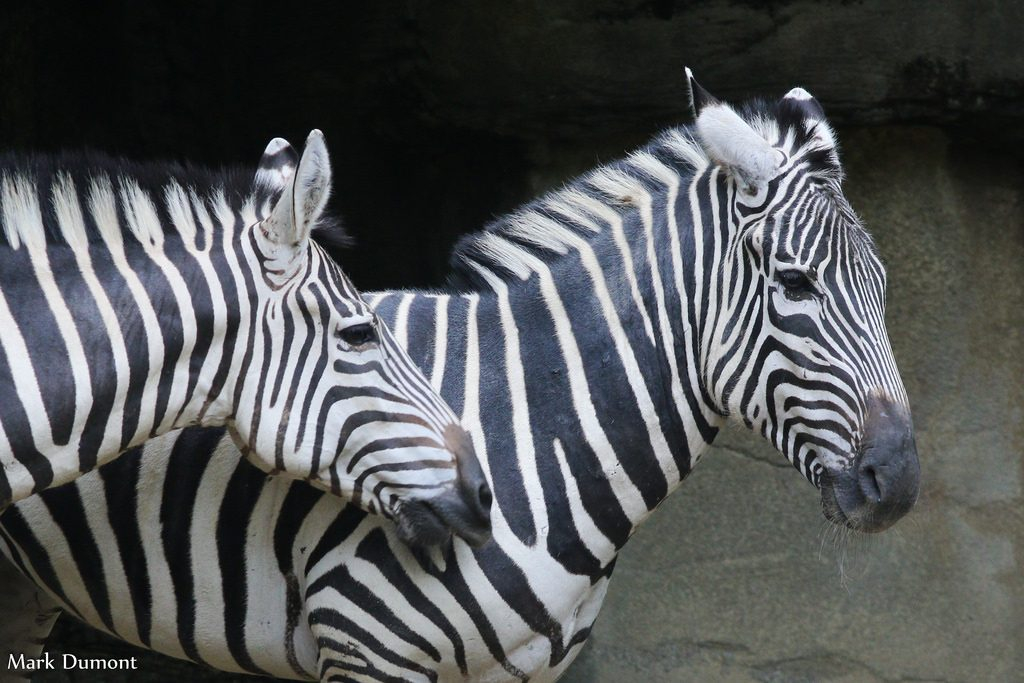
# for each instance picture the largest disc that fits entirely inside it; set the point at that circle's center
(484, 496)
(870, 483)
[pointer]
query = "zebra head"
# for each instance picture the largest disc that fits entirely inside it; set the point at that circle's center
(337, 401)
(797, 346)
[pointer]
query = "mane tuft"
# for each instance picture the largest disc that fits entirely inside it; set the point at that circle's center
(46, 185)
(540, 228)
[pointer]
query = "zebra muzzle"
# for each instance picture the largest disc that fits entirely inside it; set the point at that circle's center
(464, 510)
(884, 480)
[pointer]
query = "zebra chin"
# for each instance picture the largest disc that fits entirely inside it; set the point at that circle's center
(426, 522)
(883, 481)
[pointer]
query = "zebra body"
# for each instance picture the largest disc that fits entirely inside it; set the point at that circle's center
(595, 343)
(132, 303)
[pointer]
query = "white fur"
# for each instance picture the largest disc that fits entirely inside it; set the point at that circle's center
(180, 209)
(799, 94)
(141, 214)
(68, 210)
(507, 254)
(685, 148)
(730, 141)
(23, 221)
(103, 206)
(534, 228)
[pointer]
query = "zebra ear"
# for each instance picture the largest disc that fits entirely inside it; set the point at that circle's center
(699, 97)
(730, 141)
(800, 99)
(277, 166)
(304, 196)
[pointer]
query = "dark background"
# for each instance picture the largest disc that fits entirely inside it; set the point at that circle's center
(441, 115)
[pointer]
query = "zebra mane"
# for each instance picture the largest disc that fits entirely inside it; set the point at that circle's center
(37, 190)
(544, 229)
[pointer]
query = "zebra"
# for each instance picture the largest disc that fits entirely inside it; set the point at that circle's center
(594, 342)
(132, 304)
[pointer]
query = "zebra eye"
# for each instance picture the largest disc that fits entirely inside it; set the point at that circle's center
(796, 282)
(358, 335)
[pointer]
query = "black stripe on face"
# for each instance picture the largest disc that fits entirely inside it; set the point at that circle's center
(389, 444)
(378, 446)
(284, 329)
(364, 418)
(338, 394)
(323, 358)
(829, 345)
(398, 371)
(302, 359)
(404, 372)
(395, 486)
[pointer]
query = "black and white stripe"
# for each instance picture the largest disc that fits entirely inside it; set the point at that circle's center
(138, 299)
(593, 342)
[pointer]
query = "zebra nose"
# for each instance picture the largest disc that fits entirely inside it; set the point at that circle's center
(472, 482)
(885, 479)
(889, 474)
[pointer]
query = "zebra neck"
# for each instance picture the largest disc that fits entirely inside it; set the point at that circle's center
(103, 346)
(577, 389)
